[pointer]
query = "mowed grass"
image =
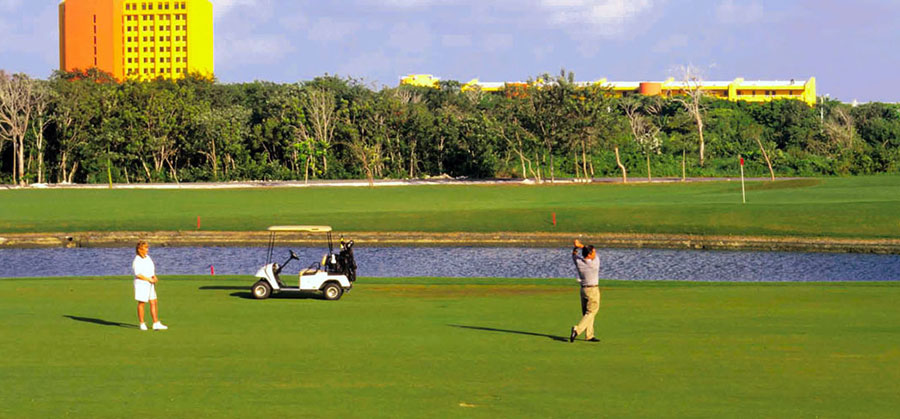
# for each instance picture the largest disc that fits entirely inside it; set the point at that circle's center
(863, 207)
(451, 348)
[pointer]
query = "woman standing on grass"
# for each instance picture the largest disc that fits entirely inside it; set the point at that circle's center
(145, 285)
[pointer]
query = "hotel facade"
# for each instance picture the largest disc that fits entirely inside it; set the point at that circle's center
(138, 40)
(734, 90)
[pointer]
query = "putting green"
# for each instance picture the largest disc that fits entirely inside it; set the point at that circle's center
(449, 348)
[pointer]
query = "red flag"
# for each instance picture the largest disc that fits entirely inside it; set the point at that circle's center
(742, 161)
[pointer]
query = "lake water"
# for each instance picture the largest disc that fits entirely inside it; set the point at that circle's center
(626, 264)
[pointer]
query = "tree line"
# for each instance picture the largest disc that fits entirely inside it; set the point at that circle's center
(85, 127)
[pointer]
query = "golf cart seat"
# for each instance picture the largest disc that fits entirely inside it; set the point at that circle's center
(311, 270)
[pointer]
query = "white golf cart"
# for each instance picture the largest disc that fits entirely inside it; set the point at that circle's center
(333, 276)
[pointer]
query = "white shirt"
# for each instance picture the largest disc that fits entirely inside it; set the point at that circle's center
(143, 266)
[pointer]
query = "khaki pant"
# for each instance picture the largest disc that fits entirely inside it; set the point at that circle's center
(590, 304)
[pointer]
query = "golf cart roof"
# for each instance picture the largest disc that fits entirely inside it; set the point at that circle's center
(307, 229)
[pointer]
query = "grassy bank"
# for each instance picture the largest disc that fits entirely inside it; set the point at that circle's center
(860, 207)
(444, 347)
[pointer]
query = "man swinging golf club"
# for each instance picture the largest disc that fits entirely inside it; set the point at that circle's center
(588, 266)
(145, 285)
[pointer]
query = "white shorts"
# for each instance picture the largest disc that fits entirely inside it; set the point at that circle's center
(144, 291)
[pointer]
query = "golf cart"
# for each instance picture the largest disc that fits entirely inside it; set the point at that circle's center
(333, 275)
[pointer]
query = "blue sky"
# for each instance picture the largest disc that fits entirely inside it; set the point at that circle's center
(850, 46)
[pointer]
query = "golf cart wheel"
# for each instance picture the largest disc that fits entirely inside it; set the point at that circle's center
(332, 291)
(261, 290)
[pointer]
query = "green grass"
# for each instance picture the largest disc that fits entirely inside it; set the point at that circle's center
(451, 348)
(863, 207)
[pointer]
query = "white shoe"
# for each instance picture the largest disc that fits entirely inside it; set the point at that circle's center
(159, 326)
(143, 326)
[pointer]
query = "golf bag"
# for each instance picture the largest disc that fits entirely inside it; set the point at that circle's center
(346, 261)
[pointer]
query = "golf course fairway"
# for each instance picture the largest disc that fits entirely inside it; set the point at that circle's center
(450, 348)
(858, 207)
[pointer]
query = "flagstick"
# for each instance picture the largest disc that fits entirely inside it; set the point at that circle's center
(743, 190)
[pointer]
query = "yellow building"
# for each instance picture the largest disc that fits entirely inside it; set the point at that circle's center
(737, 89)
(133, 39)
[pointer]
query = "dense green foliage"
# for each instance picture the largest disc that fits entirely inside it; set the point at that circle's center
(93, 129)
(450, 348)
(860, 206)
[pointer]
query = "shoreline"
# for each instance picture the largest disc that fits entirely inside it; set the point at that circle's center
(431, 239)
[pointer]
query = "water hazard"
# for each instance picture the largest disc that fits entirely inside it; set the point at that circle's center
(626, 264)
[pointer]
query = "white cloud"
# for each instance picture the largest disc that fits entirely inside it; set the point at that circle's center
(596, 18)
(294, 21)
(542, 51)
(414, 37)
(366, 64)
(265, 49)
(456, 41)
(407, 4)
(9, 5)
(30, 36)
(746, 12)
(326, 29)
(497, 42)
(671, 43)
(221, 8)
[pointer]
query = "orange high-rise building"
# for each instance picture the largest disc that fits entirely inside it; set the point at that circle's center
(137, 39)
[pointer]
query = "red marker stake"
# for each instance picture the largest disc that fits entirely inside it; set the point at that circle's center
(554, 219)
(212, 270)
(198, 222)
(743, 190)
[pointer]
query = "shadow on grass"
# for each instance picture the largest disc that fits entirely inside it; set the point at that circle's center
(245, 293)
(101, 322)
(516, 332)
(280, 296)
